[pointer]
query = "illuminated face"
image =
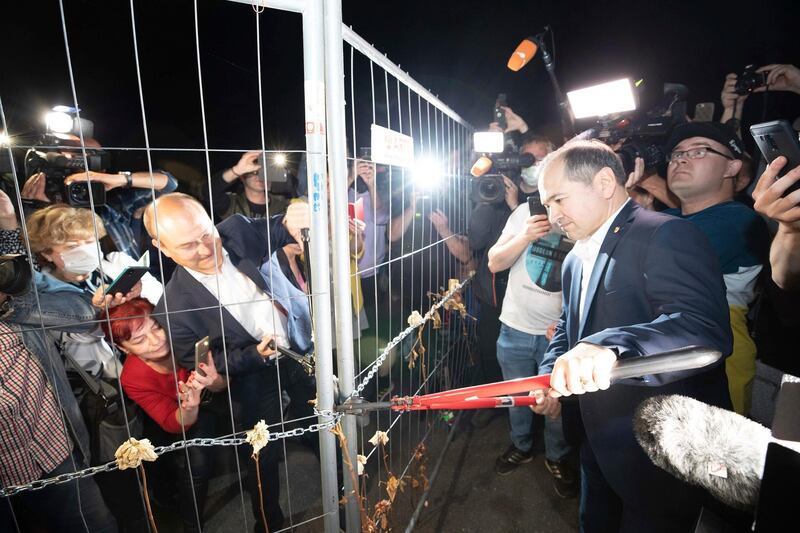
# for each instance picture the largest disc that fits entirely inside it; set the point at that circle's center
(710, 175)
(579, 209)
(189, 237)
(148, 341)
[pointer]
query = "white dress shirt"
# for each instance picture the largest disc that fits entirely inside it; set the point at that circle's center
(245, 301)
(587, 251)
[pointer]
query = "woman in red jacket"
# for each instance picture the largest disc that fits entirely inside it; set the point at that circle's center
(150, 378)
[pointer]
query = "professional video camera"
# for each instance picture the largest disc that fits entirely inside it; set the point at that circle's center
(646, 135)
(15, 274)
(61, 155)
(490, 188)
(498, 156)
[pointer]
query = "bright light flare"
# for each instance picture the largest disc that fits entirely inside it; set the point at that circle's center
(427, 172)
(280, 160)
(5, 139)
(488, 142)
(58, 122)
(604, 99)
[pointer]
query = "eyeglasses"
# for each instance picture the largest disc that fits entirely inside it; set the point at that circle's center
(694, 153)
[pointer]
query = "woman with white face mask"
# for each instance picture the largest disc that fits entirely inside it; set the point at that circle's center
(64, 241)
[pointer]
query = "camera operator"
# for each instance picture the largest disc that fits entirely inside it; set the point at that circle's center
(44, 434)
(705, 160)
(486, 225)
(529, 143)
(255, 197)
(127, 194)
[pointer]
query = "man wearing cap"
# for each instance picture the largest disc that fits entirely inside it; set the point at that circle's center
(703, 172)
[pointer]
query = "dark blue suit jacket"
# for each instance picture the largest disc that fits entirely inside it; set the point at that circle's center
(656, 286)
(194, 311)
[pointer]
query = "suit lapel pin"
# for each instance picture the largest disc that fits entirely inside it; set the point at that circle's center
(616, 229)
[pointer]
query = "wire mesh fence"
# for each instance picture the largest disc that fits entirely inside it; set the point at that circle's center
(237, 272)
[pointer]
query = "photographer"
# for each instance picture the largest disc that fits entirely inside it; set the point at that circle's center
(255, 197)
(44, 434)
(705, 160)
(779, 78)
(127, 194)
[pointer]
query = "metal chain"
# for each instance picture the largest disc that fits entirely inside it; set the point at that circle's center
(402, 335)
(179, 445)
(237, 441)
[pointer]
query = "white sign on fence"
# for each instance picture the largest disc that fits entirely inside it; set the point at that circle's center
(390, 147)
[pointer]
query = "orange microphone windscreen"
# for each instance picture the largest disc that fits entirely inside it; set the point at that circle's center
(481, 166)
(524, 53)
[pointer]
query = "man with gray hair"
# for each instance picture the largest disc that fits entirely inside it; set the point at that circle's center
(227, 288)
(636, 283)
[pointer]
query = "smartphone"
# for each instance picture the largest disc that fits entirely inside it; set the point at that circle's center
(201, 348)
(365, 153)
(535, 206)
(778, 138)
(499, 114)
(356, 209)
(126, 280)
(704, 112)
(274, 170)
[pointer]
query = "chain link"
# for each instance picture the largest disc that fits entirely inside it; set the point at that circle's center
(402, 335)
(333, 417)
(179, 445)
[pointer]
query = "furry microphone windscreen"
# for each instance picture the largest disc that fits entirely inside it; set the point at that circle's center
(706, 446)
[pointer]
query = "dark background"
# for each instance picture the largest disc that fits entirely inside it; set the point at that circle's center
(457, 49)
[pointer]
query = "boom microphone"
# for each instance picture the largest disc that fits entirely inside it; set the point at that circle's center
(524, 53)
(706, 446)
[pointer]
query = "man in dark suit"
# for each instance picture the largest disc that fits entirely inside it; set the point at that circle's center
(636, 283)
(225, 287)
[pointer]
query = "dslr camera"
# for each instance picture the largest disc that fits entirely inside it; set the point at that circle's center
(15, 274)
(749, 80)
(58, 162)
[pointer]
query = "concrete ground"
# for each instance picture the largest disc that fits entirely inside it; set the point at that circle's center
(469, 496)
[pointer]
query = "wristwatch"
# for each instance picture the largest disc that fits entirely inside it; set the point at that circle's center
(128, 178)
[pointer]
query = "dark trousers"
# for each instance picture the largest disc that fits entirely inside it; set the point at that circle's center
(74, 506)
(602, 511)
(487, 332)
(256, 396)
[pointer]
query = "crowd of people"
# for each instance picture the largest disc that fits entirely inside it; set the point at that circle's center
(599, 275)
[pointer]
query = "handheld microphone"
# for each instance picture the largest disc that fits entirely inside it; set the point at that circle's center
(706, 446)
(524, 53)
(481, 166)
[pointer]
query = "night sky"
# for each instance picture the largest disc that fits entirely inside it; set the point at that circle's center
(458, 49)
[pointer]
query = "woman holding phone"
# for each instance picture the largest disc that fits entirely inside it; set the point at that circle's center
(170, 395)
